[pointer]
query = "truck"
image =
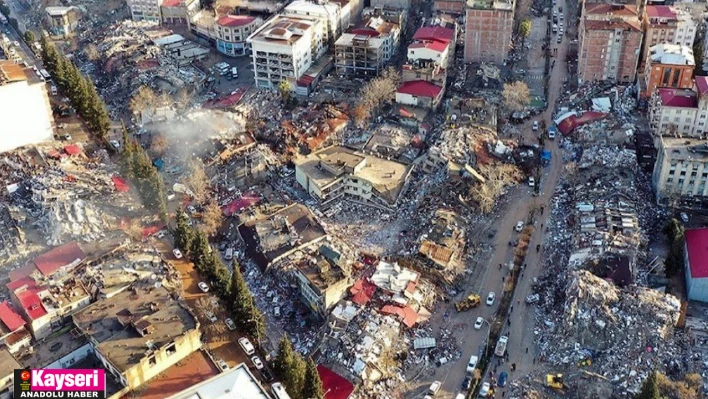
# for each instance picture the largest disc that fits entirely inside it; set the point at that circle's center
(468, 303)
(500, 349)
(45, 75)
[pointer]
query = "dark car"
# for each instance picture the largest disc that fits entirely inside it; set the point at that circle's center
(502, 378)
(267, 376)
(467, 383)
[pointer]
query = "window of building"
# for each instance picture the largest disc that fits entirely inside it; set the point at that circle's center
(670, 180)
(171, 349)
(152, 361)
(672, 171)
(683, 173)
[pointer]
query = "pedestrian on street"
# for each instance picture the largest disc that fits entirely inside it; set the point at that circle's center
(518, 301)
(508, 322)
(502, 279)
(527, 350)
(511, 309)
(503, 393)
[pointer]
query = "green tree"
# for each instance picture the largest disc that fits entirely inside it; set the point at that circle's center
(290, 368)
(285, 91)
(674, 262)
(29, 37)
(254, 325)
(525, 28)
(184, 235)
(312, 388)
(220, 278)
(239, 295)
(650, 388)
(199, 252)
(698, 49)
(50, 55)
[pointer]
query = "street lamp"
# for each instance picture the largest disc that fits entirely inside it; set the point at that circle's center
(489, 330)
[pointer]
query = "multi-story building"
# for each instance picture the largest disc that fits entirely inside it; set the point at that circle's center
(665, 24)
(139, 332)
(668, 65)
(339, 172)
(62, 20)
(145, 10)
(330, 15)
(364, 51)
(45, 292)
(14, 335)
(610, 38)
(432, 43)
(673, 112)
(232, 32)
(454, 7)
(321, 279)
(420, 93)
(395, 4)
(681, 170)
(238, 381)
(489, 25)
(284, 48)
(8, 365)
(25, 111)
(178, 11)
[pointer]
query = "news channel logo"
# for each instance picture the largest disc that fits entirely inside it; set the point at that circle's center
(60, 383)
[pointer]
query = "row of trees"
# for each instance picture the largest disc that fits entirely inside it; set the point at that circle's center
(78, 88)
(139, 169)
(299, 375)
(233, 291)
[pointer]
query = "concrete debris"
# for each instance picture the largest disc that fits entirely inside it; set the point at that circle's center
(607, 157)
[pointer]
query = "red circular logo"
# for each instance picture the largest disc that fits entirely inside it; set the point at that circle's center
(25, 375)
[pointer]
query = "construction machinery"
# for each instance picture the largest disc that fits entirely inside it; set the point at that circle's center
(468, 303)
(557, 381)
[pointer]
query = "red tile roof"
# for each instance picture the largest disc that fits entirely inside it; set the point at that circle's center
(621, 10)
(31, 303)
(72, 149)
(25, 281)
(438, 33)
(678, 98)
(701, 84)
(24, 271)
(10, 317)
(171, 3)
(363, 290)
(431, 44)
(420, 88)
(51, 261)
(660, 12)
(406, 315)
(233, 21)
(334, 385)
(697, 248)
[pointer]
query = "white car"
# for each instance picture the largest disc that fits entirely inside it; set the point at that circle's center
(551, 134)
(478, 323)
(222, 364)
(191, 209)
(161, 234)
(203, 286)
(247, 346)
(211, 316)
(472, 363)
(115, 144)
(434, 388)
(230, 324)
(684, 217)
(535, 123)
(519, 226)
(257, 362)
(490, 298)
(532, 181)
(16, 43)
(176, 252)
(484, 391)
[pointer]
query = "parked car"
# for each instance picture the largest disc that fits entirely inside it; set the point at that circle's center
(532, 181)
(161, 234)
(684, 217)
(203, 286)
(267, 376)
(484, 391)
(519, 226)
(276, 311)
(230, 324)
(247, 346)
(490, 298)
(257, 362)
(472, 364)
(211, 316)
(115, 144)
(478, 323)
(535, 123)
(191, 209)
(434, 388)
(503, 376)
(466, 383)
(176, 252)
(222, 364)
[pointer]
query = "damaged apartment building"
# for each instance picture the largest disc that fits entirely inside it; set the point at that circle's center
(444, 243)
(365, 50)
(339, 172)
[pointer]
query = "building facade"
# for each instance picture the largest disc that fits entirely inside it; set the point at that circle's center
(666, 24)
(432, 43)
(232, 32)
(696, 264)
(330, 15)
(178, 11)
(489, 25)
(673, 112)
(25, 110)
(321, 280)
(284, 48)
(145, 10)
(420, 93)
(364, 51)
(669, 65)
(681, 170)
(610, 38)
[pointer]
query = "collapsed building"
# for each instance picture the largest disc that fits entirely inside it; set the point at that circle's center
(444, 243)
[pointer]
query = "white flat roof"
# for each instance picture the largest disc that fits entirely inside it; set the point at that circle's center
(236, 383)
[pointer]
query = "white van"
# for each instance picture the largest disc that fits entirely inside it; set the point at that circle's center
(229, 254)
(53, 89)
(234, 72)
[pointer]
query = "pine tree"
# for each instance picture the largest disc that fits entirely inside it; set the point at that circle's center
(184, 235)
(199, 253)
(254, 324)
(290, 368)
(220, 279)
(312, 388)
(239, 296)
(60, 74)
(650, 388)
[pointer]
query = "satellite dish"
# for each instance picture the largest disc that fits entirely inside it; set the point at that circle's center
(158, 285)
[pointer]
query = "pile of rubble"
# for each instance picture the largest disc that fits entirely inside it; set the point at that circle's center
(72, 220)
(609, 157)
(458, 145)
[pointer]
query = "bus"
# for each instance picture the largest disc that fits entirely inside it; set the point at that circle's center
(279, 391)
(45, 74)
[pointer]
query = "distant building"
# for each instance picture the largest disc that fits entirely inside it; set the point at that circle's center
(145, 10)
(696, 264)
(420, 93)
(610, 38)
(321, 279)
(275, 237)
(455, 7)
(395, 4)
(228, 33)
(62, 20)
(681, 170)
(140, 332)
(338, 172)
(667, 24)
(238, 379)
(284, 48)
(432, 43)
(178, 11)
(8, 365)
(331, 15)
(489, 25)
(25, 111)
(365, 51)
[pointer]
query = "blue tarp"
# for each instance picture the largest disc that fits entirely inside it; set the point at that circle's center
(546, 155)
(159, 163)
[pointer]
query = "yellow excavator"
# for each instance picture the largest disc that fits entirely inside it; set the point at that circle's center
(557, 381)
(468, 303)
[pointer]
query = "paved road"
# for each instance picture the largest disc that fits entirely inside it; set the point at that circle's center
(521, 329)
